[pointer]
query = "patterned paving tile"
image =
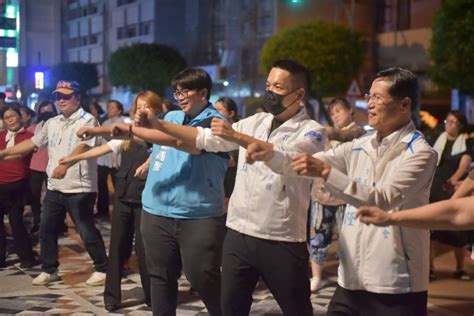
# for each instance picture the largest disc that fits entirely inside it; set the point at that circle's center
(71, 296)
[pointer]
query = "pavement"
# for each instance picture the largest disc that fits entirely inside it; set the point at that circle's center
(71, 296)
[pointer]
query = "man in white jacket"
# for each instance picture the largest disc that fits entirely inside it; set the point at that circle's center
(383, 270)
(267, 214)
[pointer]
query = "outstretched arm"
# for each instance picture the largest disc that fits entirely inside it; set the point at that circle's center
(18, 151)
(449, 214)
(60, 171)
(92, 153)
(151, 135)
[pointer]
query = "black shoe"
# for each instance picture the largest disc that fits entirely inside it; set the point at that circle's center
(29, 264)
(111, 307)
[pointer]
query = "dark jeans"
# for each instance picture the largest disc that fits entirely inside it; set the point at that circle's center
(80, 207)
(194, 245)
(11, 203)
(283, 267)
(102, 189)
(126, 219)
(363, 303)
(37, 179)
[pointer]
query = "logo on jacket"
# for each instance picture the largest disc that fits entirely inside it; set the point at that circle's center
(314, 136)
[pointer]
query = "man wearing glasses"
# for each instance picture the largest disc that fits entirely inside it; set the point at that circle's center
(383, 270)
(267, 214)
(183, 223)
(70, 188)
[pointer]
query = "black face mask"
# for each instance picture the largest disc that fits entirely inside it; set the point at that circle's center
(45, 116)
(274, 102)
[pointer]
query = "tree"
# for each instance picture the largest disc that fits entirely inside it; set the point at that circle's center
(145, 67)
(84, 73)
(332, 53)
(452, 46)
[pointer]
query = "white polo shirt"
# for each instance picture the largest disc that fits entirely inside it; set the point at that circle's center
(59, 134)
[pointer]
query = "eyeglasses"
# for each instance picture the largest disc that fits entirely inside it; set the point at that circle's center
(183, 93)
(376, 97)
(60, 96)
(451, 122)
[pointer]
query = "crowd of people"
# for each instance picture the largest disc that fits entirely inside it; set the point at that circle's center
(229, 201)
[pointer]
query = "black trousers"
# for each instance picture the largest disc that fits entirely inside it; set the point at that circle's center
(283, 267)
(126, 219)
(363, 303)
(37, 179)
(11, 203)
(194, 245)
(80, 207)
(102, 189)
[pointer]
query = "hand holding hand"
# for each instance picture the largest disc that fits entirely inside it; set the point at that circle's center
(66, 161)
(222, 128)
(307, 165)
(120, 130)
(257, 152)
(373, 215)
(84, 133)
(59, 172)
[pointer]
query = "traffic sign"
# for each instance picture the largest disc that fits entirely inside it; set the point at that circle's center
(354, 90)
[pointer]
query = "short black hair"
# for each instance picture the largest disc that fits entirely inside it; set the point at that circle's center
(45, 103)
(10, 106)
(193, 79)
(403, 83)
(297, 70)
(118, 104)
(461, 118)
(339, 101)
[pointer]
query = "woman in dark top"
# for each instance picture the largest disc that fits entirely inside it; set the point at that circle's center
(127, 209)
(455, 152)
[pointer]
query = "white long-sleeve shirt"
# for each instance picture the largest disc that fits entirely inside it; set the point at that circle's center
(265, 204)
(394, 174)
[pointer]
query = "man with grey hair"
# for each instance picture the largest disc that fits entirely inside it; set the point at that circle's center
(383, 270)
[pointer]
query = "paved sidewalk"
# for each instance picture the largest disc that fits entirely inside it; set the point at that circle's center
(71, 295)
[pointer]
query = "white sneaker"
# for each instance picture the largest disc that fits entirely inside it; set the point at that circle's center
(45, 278)
(315, 284)
(97, 278)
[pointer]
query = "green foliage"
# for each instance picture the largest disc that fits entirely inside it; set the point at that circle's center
(145, 67)
(452, 46)
(332, 53)
(84, 73)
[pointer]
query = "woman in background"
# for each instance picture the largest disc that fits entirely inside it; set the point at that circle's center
(228, 108)
(127, 210)
(455, 153)
(13, 182)
(325, 209)
(39, 161)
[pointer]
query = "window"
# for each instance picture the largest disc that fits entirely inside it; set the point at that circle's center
(403, 14)
(145, 28)
(124, 2)
(93, 39)
(120, 32)
(131, 30)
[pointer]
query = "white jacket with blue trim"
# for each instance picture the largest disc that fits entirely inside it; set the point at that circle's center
(394, 175)
(265, 204)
